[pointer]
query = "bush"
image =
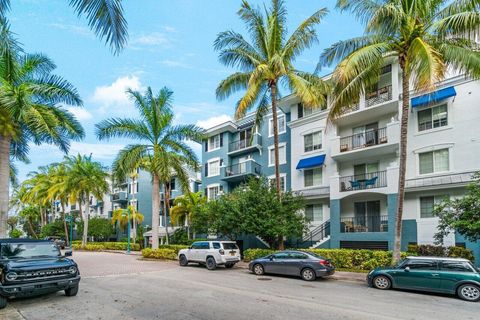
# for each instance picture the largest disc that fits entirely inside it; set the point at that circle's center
(252, 254)
(168, 254)
(88, 247)
(174, 247)
(15, 233)
(109, 245)
(460, 252)
(439, 251)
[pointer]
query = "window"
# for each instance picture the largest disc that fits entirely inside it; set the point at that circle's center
(281, 125)
(427, 204)
(298, 256)
(281, 256)
(216, 245)
(314, 212)
(213, 192)
(172, 184)
(214, 142)
(420, 265)
(433, 117)
(272, 180)
(312, 141)
(214, 168)
(282, 155)
(461, 266)
(434, 161)
(312, 177)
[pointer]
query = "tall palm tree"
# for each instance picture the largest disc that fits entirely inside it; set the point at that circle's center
(161, 146)
(123, 216)
(105, 18)
(85, 178)
(426, 36)
(29, 109)
(266, 61)
(184, 208)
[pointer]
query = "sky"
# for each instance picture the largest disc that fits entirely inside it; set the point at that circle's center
(170, 44)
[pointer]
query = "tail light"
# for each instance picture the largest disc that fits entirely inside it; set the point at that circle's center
(222, 252)
(325, 263)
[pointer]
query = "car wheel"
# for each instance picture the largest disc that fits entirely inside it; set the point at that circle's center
(469, 292)
(258, 269)
(211, 264)
(3, 302)
(308, 274)
(229, 265)
(183, 261)
(382, 282)
(72, 291)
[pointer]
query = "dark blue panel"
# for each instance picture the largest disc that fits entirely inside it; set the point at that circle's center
(311, 162)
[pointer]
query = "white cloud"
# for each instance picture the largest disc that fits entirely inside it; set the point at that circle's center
(80, 113)
(213, 121)
(174, 64)
(151, 39)
(99, 151)
(81, 30)
(115, 93)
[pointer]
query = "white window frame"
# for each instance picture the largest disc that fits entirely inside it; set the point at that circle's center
(209, 162)
(219, 144)
(436, 199)
(282, 176)
(270, 148)
(270, 125)
(314, 185)
(211, 186)
(315, 204)
(432, 129)
(312, 133)
(434, 172)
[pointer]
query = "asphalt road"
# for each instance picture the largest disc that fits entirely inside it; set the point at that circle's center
(116, 286)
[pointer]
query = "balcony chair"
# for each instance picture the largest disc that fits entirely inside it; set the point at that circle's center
(355, 184)
(371, 182)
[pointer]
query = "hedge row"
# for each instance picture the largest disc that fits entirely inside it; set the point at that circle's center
(105, 246)
(341, 258)
(161, 253)
(88, 247)
(440, 251)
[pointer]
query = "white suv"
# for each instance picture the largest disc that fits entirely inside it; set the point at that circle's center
(211, 253)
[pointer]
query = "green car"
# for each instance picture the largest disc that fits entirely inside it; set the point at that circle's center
(443, 275)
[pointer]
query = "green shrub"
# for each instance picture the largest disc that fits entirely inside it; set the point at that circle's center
(440, 251)
(163, 253)
(111, 245)
(460, 252)
(174, 247)
(252, 254)
(88, 247)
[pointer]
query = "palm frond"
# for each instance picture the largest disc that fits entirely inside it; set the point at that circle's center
(54, 89)
(122, 128)
(425, 65)
(128, 159)
(233, 83)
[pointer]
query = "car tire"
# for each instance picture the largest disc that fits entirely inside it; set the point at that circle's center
(229, 265)
(182, 260)
(211, 264)
(469, 292)
(258, 269)
(382, 282)
(72, 291)
(3, 302)
(308, 274)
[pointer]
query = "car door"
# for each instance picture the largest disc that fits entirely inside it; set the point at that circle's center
(277, 263)
(202, 251)
(295, 263)
(418, 274)
(192, 252)
(454, 271)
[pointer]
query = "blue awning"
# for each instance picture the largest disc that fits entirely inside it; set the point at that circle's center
(433, 97)
(311, 162)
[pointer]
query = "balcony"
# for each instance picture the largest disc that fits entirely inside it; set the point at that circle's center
(364, 140)
(245, 145)
(369, 223)
(241, 171)
(365, 181)
(120, 196)
(378, 96)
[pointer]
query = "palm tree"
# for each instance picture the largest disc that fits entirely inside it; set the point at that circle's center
(123, 216)
(29, 109)
(105, 18)
(161, 147)
(85, 178)
(268, 60)
(29, 216)
(185, 207)
(425, 36)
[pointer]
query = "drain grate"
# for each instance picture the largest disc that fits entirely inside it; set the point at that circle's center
(264, 279)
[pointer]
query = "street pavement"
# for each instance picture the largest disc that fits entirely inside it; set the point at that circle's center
(118, 286)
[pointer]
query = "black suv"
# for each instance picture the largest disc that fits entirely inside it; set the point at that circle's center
(33, 267)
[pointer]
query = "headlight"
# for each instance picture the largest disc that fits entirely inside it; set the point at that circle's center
(11, 276)
(72, 270)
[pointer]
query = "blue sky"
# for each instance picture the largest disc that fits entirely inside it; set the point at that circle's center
(170, 44)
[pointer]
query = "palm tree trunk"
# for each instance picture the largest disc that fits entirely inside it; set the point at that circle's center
(4, 183)
(155, 210)
(273, 91)
(85, 221)
(67, 242)
(166, 205)
(32, 229)
(41, 216)
(403, 163)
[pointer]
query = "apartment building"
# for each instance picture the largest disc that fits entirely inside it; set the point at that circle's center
(348, 170)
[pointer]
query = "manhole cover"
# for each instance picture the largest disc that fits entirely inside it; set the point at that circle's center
(264, 279)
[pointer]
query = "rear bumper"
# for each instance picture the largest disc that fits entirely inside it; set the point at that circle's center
(226, 259)
(36, 288)
(325, 272)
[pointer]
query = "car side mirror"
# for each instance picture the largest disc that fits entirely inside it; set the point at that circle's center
(272, 258)
(407, 269)
(68, 253)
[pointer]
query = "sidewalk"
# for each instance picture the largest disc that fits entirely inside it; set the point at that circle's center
(339, 275)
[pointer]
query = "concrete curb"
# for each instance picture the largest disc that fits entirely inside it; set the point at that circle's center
(10, 313)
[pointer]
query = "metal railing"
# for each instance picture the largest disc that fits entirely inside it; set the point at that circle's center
(363, 140)
(368, 223)
(247, 167)
(378, 96)
(363, 181)
(119, 196)
(245, 143)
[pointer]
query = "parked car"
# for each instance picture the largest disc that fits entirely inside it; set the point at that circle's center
(211, 254)
(443, 275)
(33, 267)
(307, 265)
(58, 241)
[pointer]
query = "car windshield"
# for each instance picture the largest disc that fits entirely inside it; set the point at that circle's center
(28, 250)
(229, 246)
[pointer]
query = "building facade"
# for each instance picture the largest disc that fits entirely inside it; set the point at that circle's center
(348, 170)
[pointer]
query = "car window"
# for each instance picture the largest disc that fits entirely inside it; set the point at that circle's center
(420, 265)
(216, 245)
(204, 245)
(196, 245)
(462, 266)
(297, 255)
(281, 256)
(230, 246)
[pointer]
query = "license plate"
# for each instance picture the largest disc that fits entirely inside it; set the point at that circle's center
(232, 253)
